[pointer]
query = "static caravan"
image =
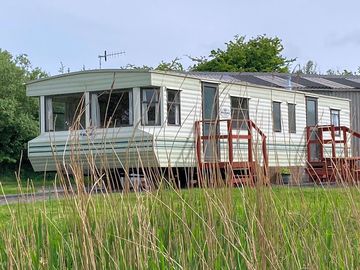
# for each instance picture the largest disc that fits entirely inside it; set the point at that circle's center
(153, 119)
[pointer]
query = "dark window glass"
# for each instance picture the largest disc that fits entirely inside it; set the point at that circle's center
(62, 112)
(312, 121)
(173, 107)
(210, 102)
(150, 108)
(111, 108)
(277, 116)
(311, 111)
(239, 112)
(335, 119)
(292, 118)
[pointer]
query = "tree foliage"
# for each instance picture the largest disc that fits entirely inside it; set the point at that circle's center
(260, 54)
(345, 72)
(174, 65)
(310, 68)
(18, 113)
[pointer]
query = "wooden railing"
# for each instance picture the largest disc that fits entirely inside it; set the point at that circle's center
(339, 166)
(249, 125)
(344, 134)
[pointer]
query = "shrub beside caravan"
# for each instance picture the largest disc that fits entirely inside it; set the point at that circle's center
(152, 119)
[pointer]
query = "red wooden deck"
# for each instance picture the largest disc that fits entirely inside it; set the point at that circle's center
(236, 172)
(337, 166)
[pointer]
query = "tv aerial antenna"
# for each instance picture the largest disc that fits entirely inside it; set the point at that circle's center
(106, 56)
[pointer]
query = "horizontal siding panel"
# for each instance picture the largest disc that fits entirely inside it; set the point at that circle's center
(88, 82)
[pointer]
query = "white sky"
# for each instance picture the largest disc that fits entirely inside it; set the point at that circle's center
(76, 32)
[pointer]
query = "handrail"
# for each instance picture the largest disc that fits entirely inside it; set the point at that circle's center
(250, 125)
(320, 139)
(336, 128)
(332, 167)
(352, 132)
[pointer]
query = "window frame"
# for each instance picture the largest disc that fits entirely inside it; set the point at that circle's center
(177, 95)
(289, 118)
(142, 90)
(235, 125)
(273, 116)
(337, 132)
(316, 103)
(118, 90)
(80, 95)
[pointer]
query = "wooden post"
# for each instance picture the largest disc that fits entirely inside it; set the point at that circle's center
(265, 155)
(321, 139)
(250, 154)
(346, 153)
(333, 141)
(308, 144)
(198, 142)
(230, 142)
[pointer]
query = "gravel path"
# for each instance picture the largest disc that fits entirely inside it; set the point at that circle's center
(31, 197)
(60, 193)
(39, 196)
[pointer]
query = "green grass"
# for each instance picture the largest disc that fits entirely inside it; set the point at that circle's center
(276, 228)
(31, 182)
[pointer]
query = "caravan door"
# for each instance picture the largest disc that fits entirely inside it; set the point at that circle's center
(312, 121)
(210, 111)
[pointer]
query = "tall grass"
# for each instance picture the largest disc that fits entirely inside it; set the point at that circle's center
(277, 228)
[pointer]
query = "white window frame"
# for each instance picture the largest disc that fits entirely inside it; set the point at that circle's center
(337, 133)
(49, 112)
(156, 101)
(273, 116)
(95, 114)
(176, 105)
(242, 126)
(292, 120)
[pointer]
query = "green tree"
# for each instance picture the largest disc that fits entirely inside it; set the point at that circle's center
(310, 68)
(260, 54)
(18, 113)
(345, 72)
(135, 67)
(174, 65)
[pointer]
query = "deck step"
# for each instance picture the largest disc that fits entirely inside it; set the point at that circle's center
(243, 180)
(243, 176)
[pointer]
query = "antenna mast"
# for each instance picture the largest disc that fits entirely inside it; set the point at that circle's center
(108, 55)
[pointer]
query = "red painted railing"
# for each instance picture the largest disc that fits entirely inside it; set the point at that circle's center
(344, 134)
(330, 168)
(230, 136)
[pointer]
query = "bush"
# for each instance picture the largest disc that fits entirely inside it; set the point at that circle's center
(18, 113)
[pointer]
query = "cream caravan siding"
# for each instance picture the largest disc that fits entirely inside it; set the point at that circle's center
(88, 81)
(175, 145)
(284, 148)
(120, 148)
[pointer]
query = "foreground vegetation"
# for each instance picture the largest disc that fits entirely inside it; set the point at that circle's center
(277, 228)
(26, 182)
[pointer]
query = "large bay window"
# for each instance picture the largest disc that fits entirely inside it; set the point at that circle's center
(173, 107)
(62, 111)
(111, 109)
(150, 106)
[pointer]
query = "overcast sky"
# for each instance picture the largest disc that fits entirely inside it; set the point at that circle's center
(76, 32)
